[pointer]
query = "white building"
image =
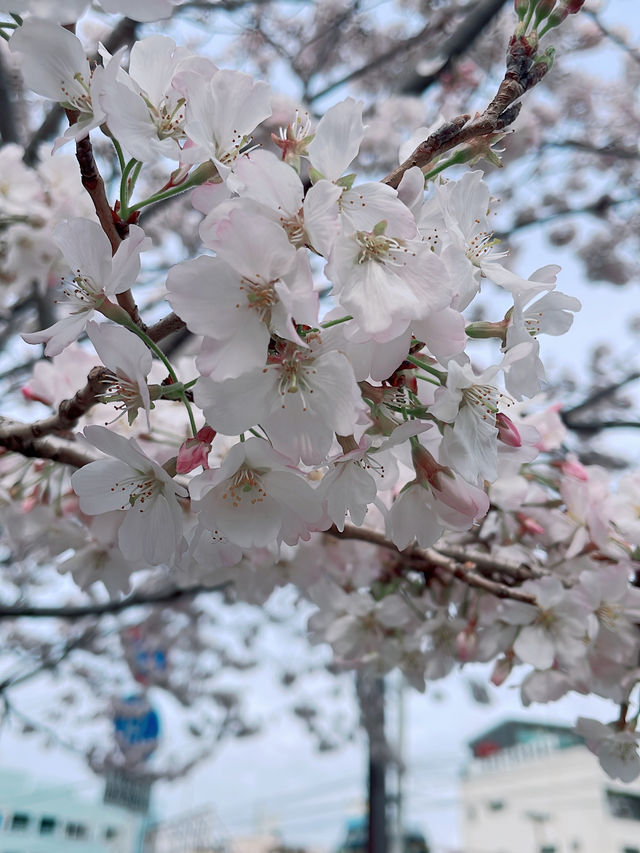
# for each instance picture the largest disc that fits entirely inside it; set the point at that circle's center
(197, 832)
(536, 789)
(36, 817)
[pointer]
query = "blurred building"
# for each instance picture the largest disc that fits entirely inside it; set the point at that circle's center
(197, 832)
(357, 838)
(38, 817)
(533, 788)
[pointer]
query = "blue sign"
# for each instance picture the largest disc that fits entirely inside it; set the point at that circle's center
(137, 725)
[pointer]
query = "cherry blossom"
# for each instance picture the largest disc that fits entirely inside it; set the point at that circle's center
(129, 481)
(96, 276)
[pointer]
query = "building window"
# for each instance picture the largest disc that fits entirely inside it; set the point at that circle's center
(548, 848)
(47, 825)
(630, 850)
(576, 845)
(624, 805)
(76, 830)
(19, 821)
(496, 805)
(110, 833)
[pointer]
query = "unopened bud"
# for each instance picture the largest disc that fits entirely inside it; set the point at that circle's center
(529, 525)
(194, 452)
(501, 670)
(573, 468)
(521, 8)
(556, 17)
(543, 9)
(507, 431)
(573, 6)
(486, 329)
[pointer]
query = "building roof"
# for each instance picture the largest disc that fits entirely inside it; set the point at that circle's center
(512, 733)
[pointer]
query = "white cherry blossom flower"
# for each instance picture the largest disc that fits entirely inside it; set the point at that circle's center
(554, 630)
(471, 403)
(129, 361)
(129, 481)
(255, 498)
(300, 398)
(55, 66)
(385, 281)
(143, 110)
(308, 219)
(455, 222)
(617, 749)
(96, 275)
(256, 286)
(337, 139)
(221, 112)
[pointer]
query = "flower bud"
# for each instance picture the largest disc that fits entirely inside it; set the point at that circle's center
(507, 431)
(521, 8)
(486, 329)
(195, 451)
(543, 10)
(529, 525)
(501, 670)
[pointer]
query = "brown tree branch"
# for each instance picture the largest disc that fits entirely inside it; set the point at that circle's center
(69, 411)
(522, 74)
(139, 599)
(8, 125)
(597, 397)
(112, 226)
(462, 38)
(425, 560)
(165, 327)
(633, 52)
(619, 152)
(56, 449)
(598, 208)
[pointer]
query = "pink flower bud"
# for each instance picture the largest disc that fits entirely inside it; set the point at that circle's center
(28, 394)
(529, 525)
(195, 451)
(502, 670)
(573, 468)
(507, 431)
(466, 644)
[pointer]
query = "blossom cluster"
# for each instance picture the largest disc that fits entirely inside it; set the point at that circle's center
(332, 389)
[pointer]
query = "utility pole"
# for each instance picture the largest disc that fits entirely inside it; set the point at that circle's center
(396, 844)
(371, 698)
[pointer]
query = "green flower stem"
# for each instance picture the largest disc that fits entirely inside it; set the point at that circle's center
(439, 374)
(330, 323)
(427, 379)
(127, 182)
(527, 20)
(156, 349)
(118, 148)
(460, 157)
(197, 177)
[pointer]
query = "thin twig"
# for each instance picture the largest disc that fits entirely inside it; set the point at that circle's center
(15, 611)
(53, 448)
(431, 558)
(69, 411)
